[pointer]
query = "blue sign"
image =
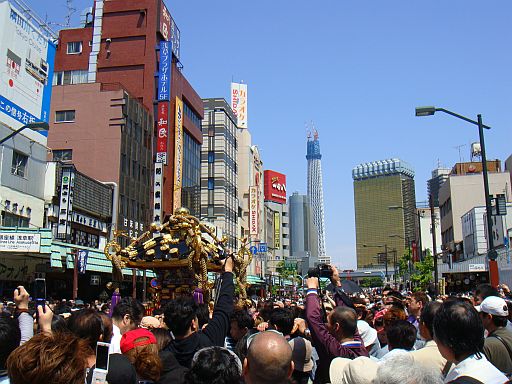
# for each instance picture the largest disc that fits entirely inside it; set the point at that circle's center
(263, 248)
(164, 73)
(82, 260)
(16, 112)
(253, 249)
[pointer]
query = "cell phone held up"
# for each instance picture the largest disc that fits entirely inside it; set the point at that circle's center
(40, 292)
(102, 361)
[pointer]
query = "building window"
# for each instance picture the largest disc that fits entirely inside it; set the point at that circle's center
(64, 116)
(11, 220)
(211, 183)
(62, 154)
(70, 77)
(19, 164)
(211, 156)
(74, 47)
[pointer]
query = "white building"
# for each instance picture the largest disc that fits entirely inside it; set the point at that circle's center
(461, 193)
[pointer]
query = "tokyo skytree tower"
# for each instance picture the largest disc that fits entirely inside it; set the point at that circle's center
(316, 192)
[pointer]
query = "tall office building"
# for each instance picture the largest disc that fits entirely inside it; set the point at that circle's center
(439, 176)
(303, 233)
(219, 197)
(385, 210)
(316, 192)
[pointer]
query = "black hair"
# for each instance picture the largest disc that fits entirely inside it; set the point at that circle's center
(283, 319)
(347, 319)
(401, 334)
(158, 311)
(162, 336)
(59, 324)
(458, 327)
(214, 365)
(485, 290)
(500, 321)
(203, 314)
(87, 325)
(10, 337)
(428, 314)
(128, 306)
(179, 313)
(242, 318)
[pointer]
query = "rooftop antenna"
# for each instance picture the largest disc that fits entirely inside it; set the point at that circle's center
(70, 10)
(308, 131)
(315, 132)
(459, 147)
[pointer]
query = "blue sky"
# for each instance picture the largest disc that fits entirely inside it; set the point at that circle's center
(357, 69)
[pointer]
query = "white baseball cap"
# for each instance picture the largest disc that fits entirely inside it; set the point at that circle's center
(493, 305)
(361, 370)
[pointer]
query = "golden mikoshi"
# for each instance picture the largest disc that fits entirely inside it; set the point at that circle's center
(182, 241)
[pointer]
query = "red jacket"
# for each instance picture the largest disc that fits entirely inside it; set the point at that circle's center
(326, 345)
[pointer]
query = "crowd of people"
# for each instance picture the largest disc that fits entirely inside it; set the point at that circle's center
(328, 336)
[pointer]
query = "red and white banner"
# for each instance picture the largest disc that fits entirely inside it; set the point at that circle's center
(239, 103)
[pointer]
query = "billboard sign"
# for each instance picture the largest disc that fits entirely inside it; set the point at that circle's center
(277, 230)
(274, 186)
(178, 154)
(20, 242)
(157, 193)
(253, 210)
(26, 69)
(162, 132)
(66, 203)
(164, 72)
(169, 30)
(239, 103)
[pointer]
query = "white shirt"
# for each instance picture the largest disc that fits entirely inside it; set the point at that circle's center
(115, 342)
(480, 369)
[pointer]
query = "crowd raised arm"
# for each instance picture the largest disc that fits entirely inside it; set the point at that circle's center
(328, 335)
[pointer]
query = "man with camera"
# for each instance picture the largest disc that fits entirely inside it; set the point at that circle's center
(338, 337)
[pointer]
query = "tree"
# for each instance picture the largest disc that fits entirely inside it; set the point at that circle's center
(423, 271)
(371, 282)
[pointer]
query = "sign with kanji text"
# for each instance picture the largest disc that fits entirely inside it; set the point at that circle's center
(20, 242)
(164, 73)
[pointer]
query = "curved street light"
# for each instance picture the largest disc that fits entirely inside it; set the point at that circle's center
(491, 252)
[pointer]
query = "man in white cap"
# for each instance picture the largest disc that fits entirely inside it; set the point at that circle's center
(361, 370)
(498, 344)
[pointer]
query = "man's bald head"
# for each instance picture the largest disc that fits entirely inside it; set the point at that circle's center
(269, 359)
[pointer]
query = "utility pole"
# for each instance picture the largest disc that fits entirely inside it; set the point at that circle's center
(75, 273)
(434, 243)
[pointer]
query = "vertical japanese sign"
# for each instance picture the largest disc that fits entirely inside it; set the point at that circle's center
(178, 154)
(82, 255)
(239, 103)
(157, 193)
(66, 204)
(253, 210)
(277, 230)
(164, 72)
(162, 132)
(169, 30)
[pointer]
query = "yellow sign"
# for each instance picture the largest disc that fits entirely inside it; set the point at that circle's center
(178, 154)
(277, 230)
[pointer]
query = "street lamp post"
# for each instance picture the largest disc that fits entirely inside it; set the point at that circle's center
(419, 244)
(491, 252)
(385, 246)
(39, 126)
